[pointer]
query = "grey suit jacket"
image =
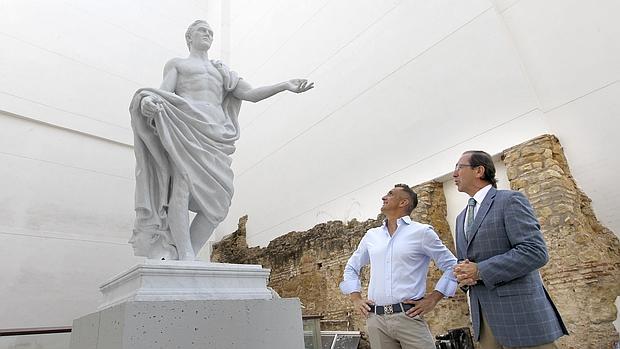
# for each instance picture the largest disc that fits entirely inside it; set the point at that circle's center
(508, 247)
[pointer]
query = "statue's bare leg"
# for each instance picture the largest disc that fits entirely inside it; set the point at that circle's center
(178, 216)
(200, 231)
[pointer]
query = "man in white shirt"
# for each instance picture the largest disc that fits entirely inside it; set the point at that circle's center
(399, 252)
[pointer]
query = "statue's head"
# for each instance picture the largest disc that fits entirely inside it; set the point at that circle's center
(154, 244)
(199, 32)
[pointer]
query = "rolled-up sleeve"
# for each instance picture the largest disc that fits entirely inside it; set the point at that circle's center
(444, 260)
(351, 280)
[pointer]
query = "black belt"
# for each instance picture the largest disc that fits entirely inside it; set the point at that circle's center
(390, 309)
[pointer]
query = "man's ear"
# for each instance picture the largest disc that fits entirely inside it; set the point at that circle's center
(403, 203)
(480, 172)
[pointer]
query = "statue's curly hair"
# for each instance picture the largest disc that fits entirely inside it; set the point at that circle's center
(190, 30)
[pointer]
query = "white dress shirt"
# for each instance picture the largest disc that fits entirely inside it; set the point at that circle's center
(479, 196)
(399, 263)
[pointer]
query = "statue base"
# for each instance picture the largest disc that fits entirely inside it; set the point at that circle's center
(221, 324)
(180, 304)
(186, 280)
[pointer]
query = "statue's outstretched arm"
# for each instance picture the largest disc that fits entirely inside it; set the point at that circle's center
(246, 92)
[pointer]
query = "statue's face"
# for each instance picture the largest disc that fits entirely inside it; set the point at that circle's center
(142, 243)
(202, 36)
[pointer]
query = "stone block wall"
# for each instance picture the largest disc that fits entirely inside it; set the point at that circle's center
(583, 273)
(582, 276)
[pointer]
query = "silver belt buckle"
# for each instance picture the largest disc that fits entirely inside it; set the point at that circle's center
(388, 309)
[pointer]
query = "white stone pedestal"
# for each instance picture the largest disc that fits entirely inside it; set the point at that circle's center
(178, 304)
(181, 280)
(208, 324)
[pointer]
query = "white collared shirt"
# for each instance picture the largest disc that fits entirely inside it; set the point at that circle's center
(479, 196)
(399, 263)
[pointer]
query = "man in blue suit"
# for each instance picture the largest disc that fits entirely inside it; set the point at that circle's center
(499, 242)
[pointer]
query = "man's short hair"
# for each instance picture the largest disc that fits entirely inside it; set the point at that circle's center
(481, 158)
(190, 30)
(413, 197)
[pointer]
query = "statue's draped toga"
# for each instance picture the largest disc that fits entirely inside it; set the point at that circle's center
(197, 139)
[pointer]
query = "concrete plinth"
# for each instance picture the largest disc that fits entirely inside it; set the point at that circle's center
(199, 324)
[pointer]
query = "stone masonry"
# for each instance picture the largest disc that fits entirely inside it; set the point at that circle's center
(582, 276)
(583, 273)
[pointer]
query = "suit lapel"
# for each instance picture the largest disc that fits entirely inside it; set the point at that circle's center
(482, 212)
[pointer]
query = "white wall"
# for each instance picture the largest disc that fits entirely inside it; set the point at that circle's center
(68, 71)
(403, 87)
(571, 52)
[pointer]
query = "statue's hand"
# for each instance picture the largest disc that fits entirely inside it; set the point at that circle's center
(150, 105)
(299, 85)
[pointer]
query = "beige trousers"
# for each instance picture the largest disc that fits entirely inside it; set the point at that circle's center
(398, 331)
(488, 341)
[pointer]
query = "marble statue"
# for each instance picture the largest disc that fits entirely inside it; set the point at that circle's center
(184, 135)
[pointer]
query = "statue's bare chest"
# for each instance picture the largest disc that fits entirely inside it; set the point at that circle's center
(195, 69)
